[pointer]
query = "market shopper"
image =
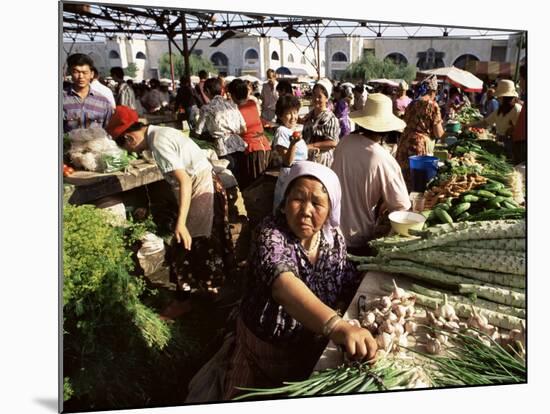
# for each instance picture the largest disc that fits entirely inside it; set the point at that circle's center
(284, 87)
(186, 101)
(423, 122)
(269, 96)
(104, 90)
(371, 179)
(519, 136)
(401, 100)
(287, 142)
(505, 118)
(298, 275)
(222, 122)
(152, 99)
(199, 88)
(82, 106)
(359, 97)
(258, 150)
(201, 254)
(124, 94)
(491, 103)
(342, 98)
(321, 127)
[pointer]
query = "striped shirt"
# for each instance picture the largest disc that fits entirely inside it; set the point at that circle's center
(93, 111)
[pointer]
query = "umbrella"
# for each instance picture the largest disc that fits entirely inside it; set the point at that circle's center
(463, 79)
(249, 78)
(229, 78)
(385, 82)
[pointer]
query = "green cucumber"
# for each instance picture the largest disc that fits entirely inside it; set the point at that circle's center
(493, 203)
(485, 194)
(470, 198)
(504, 192)
(459, 209)
(443, 216)
(490, 187)
(506, 203)
(443, 206)
(495, 183)
(463, 216)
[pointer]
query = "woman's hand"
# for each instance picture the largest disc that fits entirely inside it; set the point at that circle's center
(358, 342)
(183, 236)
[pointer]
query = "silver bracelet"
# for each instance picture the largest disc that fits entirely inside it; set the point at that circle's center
(329, 325)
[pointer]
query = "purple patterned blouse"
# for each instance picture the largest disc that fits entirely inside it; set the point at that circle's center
(276, 250)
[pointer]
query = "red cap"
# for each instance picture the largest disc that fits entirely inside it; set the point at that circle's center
(123, 118)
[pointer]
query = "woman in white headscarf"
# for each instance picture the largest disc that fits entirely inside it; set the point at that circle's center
(298, 273)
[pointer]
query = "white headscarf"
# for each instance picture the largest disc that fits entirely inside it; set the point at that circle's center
(332, 184)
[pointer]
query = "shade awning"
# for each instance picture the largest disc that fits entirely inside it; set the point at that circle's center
(463, 79)
(491, 69)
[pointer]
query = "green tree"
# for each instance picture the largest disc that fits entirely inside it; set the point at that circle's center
(370, 67)
(196, 63)
(131, 70)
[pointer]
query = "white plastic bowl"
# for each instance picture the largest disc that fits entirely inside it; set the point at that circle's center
(403, 221)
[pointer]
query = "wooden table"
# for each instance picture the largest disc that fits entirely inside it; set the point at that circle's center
(87, 186)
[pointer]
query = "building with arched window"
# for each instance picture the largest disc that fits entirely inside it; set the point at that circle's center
(251, 55)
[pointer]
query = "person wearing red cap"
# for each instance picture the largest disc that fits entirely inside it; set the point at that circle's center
(202, 239)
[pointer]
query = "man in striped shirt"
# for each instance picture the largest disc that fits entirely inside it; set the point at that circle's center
(82, 106)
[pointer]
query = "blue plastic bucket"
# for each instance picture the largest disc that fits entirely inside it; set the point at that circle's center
(423, 169)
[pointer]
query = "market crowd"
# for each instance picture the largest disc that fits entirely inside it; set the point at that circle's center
(343, 165)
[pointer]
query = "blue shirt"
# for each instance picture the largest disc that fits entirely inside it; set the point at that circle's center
(93, 111)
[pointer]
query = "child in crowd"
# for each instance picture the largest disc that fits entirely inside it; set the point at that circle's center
(287, 141)
(342, 99)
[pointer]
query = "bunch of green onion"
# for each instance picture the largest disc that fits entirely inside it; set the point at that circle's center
(355, 377)
(471, 361)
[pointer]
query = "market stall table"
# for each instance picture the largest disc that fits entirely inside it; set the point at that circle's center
(89, 186)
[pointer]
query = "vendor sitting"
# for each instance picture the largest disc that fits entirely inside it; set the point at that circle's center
(298, 273)
(201, 253)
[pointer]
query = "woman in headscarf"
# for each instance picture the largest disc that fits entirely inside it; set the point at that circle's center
(423, 119)
(201, 254)
(321, 127)
(297, 275)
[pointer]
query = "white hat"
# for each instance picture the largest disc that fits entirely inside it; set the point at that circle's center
(403, 85)
(505, 87)
(325, 83)
(377, 115)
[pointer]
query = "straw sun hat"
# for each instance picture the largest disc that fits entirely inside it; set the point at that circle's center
(377, 115)
(506, 87)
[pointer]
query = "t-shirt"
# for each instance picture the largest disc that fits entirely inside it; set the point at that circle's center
(503, 123)
(400, 104)
(174, 151)
(103, 90)
(282, 138)
(369, 176)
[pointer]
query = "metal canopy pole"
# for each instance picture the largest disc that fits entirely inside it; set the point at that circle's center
(187, 69)
(171, 61)
(318, 54)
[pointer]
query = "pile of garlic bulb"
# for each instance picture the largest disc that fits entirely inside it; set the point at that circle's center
(390, 320)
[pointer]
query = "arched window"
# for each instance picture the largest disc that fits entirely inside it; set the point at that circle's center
(140, 55)
(303, 60)
(430, 59)
(463, 60)
(274, 56)
(339, 57)
(251, 54)
(290, 58)
(397, 58)
(113, 54)
(219, 59)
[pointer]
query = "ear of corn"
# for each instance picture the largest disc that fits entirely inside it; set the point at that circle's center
(464, 311)
(480, 303)
(504, 296)
(517, 244)
(495, 278)
(504, 263)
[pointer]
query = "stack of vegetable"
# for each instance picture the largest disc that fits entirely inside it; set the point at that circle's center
(471, 259)
(488, 201)
(468, 114)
